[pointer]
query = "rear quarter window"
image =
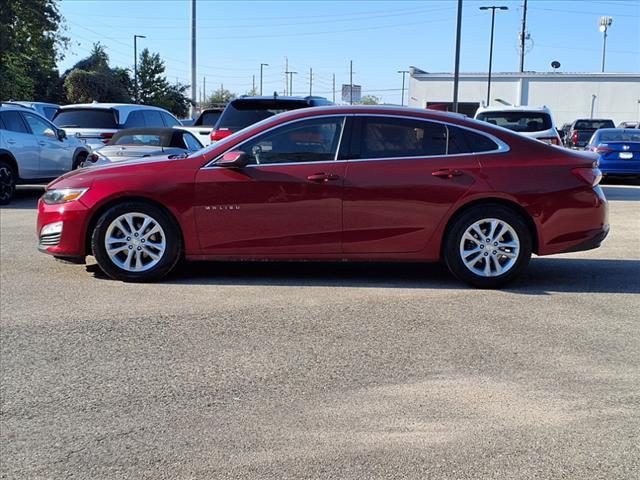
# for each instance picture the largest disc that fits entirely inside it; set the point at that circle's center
(85, 118)
(518, 121)
(169, 121)
(466, 141)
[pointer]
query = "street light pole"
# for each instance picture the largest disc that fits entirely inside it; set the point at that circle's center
(605, 23)
(403, 72)
(493, 22)
(135, 65)
(261, 66)
(456, 67)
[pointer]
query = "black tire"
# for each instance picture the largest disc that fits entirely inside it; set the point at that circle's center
(7, 183)
(79, 160)
(168, 259)
(452, 246)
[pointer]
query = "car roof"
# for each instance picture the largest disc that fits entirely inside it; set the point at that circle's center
(121, 107)
(28, 104)
(605, 130)
(514, 108)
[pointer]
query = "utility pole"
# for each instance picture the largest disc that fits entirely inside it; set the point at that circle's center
(193, 57)
(456, 69)
(351, 82)
(403, 72)
(135, 65)
(523, 35)
(286, 75)
(493, 22)
(291, 74)
(262, 65)
(253, 84)
(204, 89)
(334, 88)
(310, 81)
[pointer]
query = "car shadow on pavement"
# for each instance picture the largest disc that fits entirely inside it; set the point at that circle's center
(25, 198)
(542, 277)
(621, 193)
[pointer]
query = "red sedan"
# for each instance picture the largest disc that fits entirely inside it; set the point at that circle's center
(335, 183)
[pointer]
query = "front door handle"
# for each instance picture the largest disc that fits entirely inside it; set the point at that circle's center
(446, 173)
(322, 177)
(11, 141)
(42, 143)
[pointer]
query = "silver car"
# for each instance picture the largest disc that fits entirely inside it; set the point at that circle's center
(96, 123)
(33, 150)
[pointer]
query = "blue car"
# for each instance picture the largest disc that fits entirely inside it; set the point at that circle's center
(619, 150)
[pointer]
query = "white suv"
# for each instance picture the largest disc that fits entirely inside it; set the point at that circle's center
(533, 122)
(95, 123)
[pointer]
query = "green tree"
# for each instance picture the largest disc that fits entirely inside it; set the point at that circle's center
(369, 100)
(31, 42)
(221, 96)
(93, 79)
(154, 89)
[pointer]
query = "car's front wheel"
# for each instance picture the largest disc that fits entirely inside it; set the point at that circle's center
(488, 246)
(7, 183)
(136, 242)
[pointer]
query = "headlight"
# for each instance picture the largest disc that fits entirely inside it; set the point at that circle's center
(55, 197)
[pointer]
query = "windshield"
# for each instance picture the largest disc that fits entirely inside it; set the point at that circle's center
(85, 118)
(518, 121)
(148, 140)
(593, 124)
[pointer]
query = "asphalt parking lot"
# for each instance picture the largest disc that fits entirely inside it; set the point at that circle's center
(305, 370)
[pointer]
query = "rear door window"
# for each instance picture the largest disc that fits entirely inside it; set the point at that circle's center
(86, 118)
(13, 122)
(153, 118)
(398, 138)
(518, 121)
(135, 120)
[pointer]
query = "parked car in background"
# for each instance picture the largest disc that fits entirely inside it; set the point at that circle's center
(629, 125)
(619, 151)
(47, 110)
(532, 122)
(245, 111)
(582, 129)
(133, 143)
(96, 123)
(203, 124)
(32, 149)
(336, 183)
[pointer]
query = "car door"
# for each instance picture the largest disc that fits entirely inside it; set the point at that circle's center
(21, 143)
(56, 156)
(400, 183)
(287, 201)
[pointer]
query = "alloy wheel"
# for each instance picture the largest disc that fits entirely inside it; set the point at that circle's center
(135, 242)
(489, 247)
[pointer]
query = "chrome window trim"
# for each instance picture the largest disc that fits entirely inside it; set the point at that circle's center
(502, 146)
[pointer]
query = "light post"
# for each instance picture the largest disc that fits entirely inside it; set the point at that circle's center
(135, 65)
(493, 21)
(605, 23)
(403, 72)
(261, 66)
(291, 74)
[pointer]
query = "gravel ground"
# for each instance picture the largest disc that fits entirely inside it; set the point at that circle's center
(298, 370)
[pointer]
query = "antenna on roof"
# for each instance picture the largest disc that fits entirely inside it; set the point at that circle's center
(275, 94)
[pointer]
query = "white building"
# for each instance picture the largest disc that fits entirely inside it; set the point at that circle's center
(568, 95)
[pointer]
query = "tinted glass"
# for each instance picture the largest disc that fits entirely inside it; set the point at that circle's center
(138, 139)
(13, 122)
(518, 121)
(394, 137)
(36, 124)
(153, 118)
(49, 112)
(85, 118)
(619, 136)
(242, 113)
(466, 141)
(169, 121)
(135, 119)
(191, 142)
(306, 141)
(209, 119)
(593, 124)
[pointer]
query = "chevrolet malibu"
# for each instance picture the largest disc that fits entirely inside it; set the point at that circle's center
(335, 183)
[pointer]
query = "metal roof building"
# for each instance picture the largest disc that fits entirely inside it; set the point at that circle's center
(568, 95)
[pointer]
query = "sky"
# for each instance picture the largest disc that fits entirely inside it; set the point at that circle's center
(380, 37)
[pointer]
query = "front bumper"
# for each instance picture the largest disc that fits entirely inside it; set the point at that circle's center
(70, 242)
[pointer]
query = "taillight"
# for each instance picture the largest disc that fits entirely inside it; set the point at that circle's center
(575, 138)
(106, 137)
(591, 176)
(550, 140)
(603, 150)
(220, 133)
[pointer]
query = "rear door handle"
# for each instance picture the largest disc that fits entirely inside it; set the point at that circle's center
(11, 141)
(446, 173)
(322, 177)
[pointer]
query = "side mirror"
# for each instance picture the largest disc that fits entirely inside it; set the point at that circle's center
(234, 159)
(49, 133)
(62, 134)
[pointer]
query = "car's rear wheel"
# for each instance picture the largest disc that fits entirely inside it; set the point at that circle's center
(136, 242)
(7, 183)
(488, 246)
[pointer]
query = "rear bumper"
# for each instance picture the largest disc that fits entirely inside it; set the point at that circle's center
(595, 239)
